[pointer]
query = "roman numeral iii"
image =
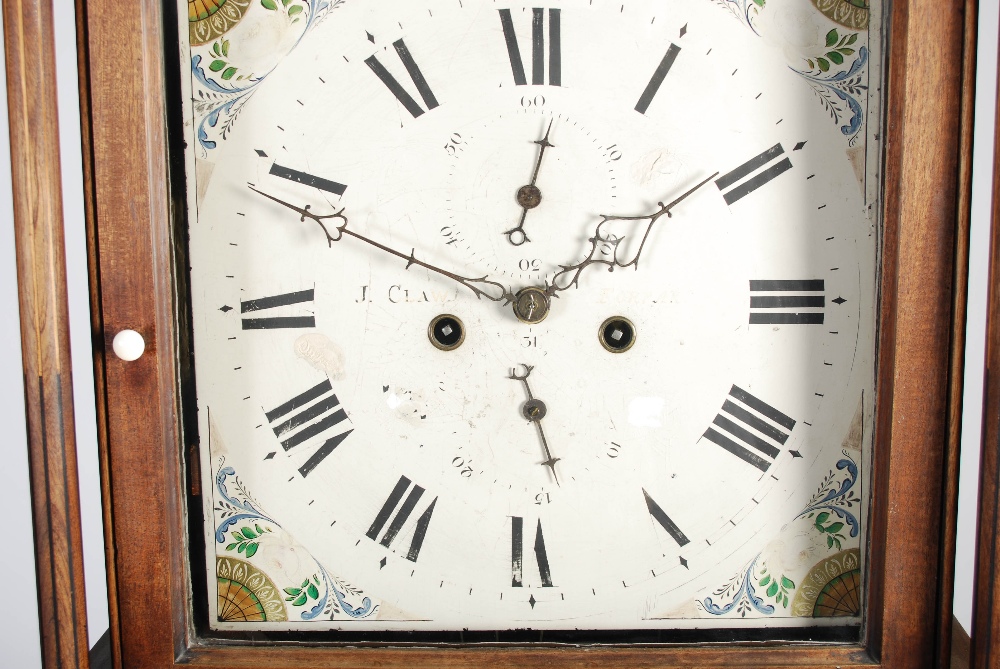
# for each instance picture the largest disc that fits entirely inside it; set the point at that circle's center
(274, 302)
(517, 554)
(401, 516)
(315, 412)
(778, 302)
(751, 429)
(537, 47)
(739, 183)
(416, 76)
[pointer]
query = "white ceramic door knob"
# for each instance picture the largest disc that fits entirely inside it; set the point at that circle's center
(128, 345)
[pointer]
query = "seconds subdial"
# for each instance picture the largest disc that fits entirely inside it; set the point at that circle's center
(491, 164)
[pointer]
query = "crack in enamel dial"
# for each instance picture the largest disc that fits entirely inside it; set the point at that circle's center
(693, 300)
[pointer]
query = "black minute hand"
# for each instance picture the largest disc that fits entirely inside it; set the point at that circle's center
(496, 292)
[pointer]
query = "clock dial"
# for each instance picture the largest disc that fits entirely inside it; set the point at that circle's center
(548, 317)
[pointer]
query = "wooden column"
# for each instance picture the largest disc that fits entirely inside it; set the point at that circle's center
(48, 388)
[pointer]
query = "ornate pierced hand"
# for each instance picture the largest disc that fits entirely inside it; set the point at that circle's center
(569, 275)
(481, 286)
(534, 410)
(529, 196)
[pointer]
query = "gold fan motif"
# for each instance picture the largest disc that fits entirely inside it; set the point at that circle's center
(210, 19)
(840, 597)
(831, 588)
(246, 594)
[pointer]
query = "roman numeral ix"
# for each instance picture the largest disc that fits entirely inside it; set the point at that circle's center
(273, 302)
(779, 301)
(735, 185)
(402, 514)
(537, 47)
(517, 554)
(315, 412)
(307, 179)
(765, 425)
(416, 76)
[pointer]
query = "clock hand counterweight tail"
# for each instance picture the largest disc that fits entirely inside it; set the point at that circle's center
(569, 275)
(534, 410)
(529, 196)
(471, 283)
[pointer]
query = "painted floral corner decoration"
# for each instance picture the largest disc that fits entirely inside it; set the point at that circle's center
(235, 44)
(246, 535)
(834, 504)
(767, 584)
(826, 43)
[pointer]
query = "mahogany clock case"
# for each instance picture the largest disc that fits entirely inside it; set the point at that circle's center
(150, 448)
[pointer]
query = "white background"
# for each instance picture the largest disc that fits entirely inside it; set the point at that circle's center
(19, 646)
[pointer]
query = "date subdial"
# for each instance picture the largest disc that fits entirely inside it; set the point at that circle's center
(492, 160)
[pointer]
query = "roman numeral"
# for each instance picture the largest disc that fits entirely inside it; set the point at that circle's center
(517, 554)
(307, 179)
(416, 76)
(664, 520)
(657, 79)
(316, 411)
(277, 322)
(782, 298)
(762, 434)
(735, 186)
(402, 514)
(537, 47)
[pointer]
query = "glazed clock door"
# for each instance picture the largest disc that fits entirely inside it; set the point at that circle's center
(558, 318)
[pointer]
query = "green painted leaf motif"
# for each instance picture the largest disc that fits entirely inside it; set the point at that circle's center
(216, 50)
(230, 547)
(835, 57)
(285, 2)
(773, 590)
(787, 583)
(241, 548)
(759, 3)
(764, 581)
(268, 4)
(316, 578)
(300, 600)
(836, 527)
(225, 47)
(217, 65)
(292, 591)
(312, 591)
(846, 51)
(831, 37)
(247, 532)
(228, 74)
(251, 549)
(297, 9)
(829, 542)
(259, 531)
(823, 517)
(853, 39)
(305, 583)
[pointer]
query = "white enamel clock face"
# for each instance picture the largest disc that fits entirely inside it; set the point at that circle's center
(656, 448)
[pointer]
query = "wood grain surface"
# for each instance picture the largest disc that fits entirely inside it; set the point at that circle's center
(922, 260)
(48, 387)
